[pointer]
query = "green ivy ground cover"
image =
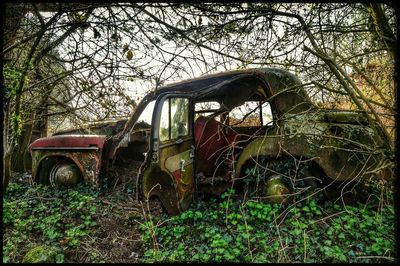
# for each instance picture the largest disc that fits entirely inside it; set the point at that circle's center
(216, 230)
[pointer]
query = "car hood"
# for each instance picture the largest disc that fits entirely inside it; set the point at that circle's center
(70, 141)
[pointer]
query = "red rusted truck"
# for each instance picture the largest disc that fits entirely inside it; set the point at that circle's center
(248, 129)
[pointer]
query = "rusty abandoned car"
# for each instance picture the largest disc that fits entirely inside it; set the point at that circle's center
(255, 130)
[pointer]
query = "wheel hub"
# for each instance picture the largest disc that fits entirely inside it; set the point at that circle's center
(276, 189)
(65, 174)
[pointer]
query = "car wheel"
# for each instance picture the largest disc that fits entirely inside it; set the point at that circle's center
(267, 184)
(60, 172)
(280, 181)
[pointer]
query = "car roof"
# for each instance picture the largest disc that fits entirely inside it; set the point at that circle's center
(281, 88)
(274, 83)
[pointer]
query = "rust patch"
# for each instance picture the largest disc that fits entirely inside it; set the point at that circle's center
(88, 162)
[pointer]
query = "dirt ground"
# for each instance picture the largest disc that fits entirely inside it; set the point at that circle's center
(117, 239)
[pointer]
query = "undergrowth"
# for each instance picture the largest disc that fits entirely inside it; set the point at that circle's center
(40, 215)
(230, 230)
(214, 230)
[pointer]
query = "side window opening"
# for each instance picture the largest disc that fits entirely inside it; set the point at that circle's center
(144, 120)
(174, 121)
(164, 122)
(179, 117)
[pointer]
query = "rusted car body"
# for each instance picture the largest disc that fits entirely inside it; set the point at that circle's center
(108, 128)
(182, 148)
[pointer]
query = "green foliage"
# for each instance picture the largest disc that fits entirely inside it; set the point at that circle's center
(16, 125)
(12, 77)
(39, 214)
(226, 229)
(230, 230)
(41, 254)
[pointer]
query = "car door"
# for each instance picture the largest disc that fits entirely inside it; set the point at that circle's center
(173, 144)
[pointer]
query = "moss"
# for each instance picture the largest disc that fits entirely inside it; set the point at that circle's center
(346, 117)
(40, 254)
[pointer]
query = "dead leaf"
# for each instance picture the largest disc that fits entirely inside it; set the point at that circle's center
(125, 48)
(129, 55)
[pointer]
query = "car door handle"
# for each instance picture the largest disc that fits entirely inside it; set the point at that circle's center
(192, 151)
(182, 166)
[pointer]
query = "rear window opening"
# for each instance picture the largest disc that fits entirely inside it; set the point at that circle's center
(251, 114)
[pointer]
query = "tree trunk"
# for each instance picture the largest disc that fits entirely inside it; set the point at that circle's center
(382, 28)
(7, 151)
(24, 141)
(7, 168)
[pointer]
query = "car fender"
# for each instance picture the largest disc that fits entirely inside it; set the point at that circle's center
(85, 151)
(339, 158)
